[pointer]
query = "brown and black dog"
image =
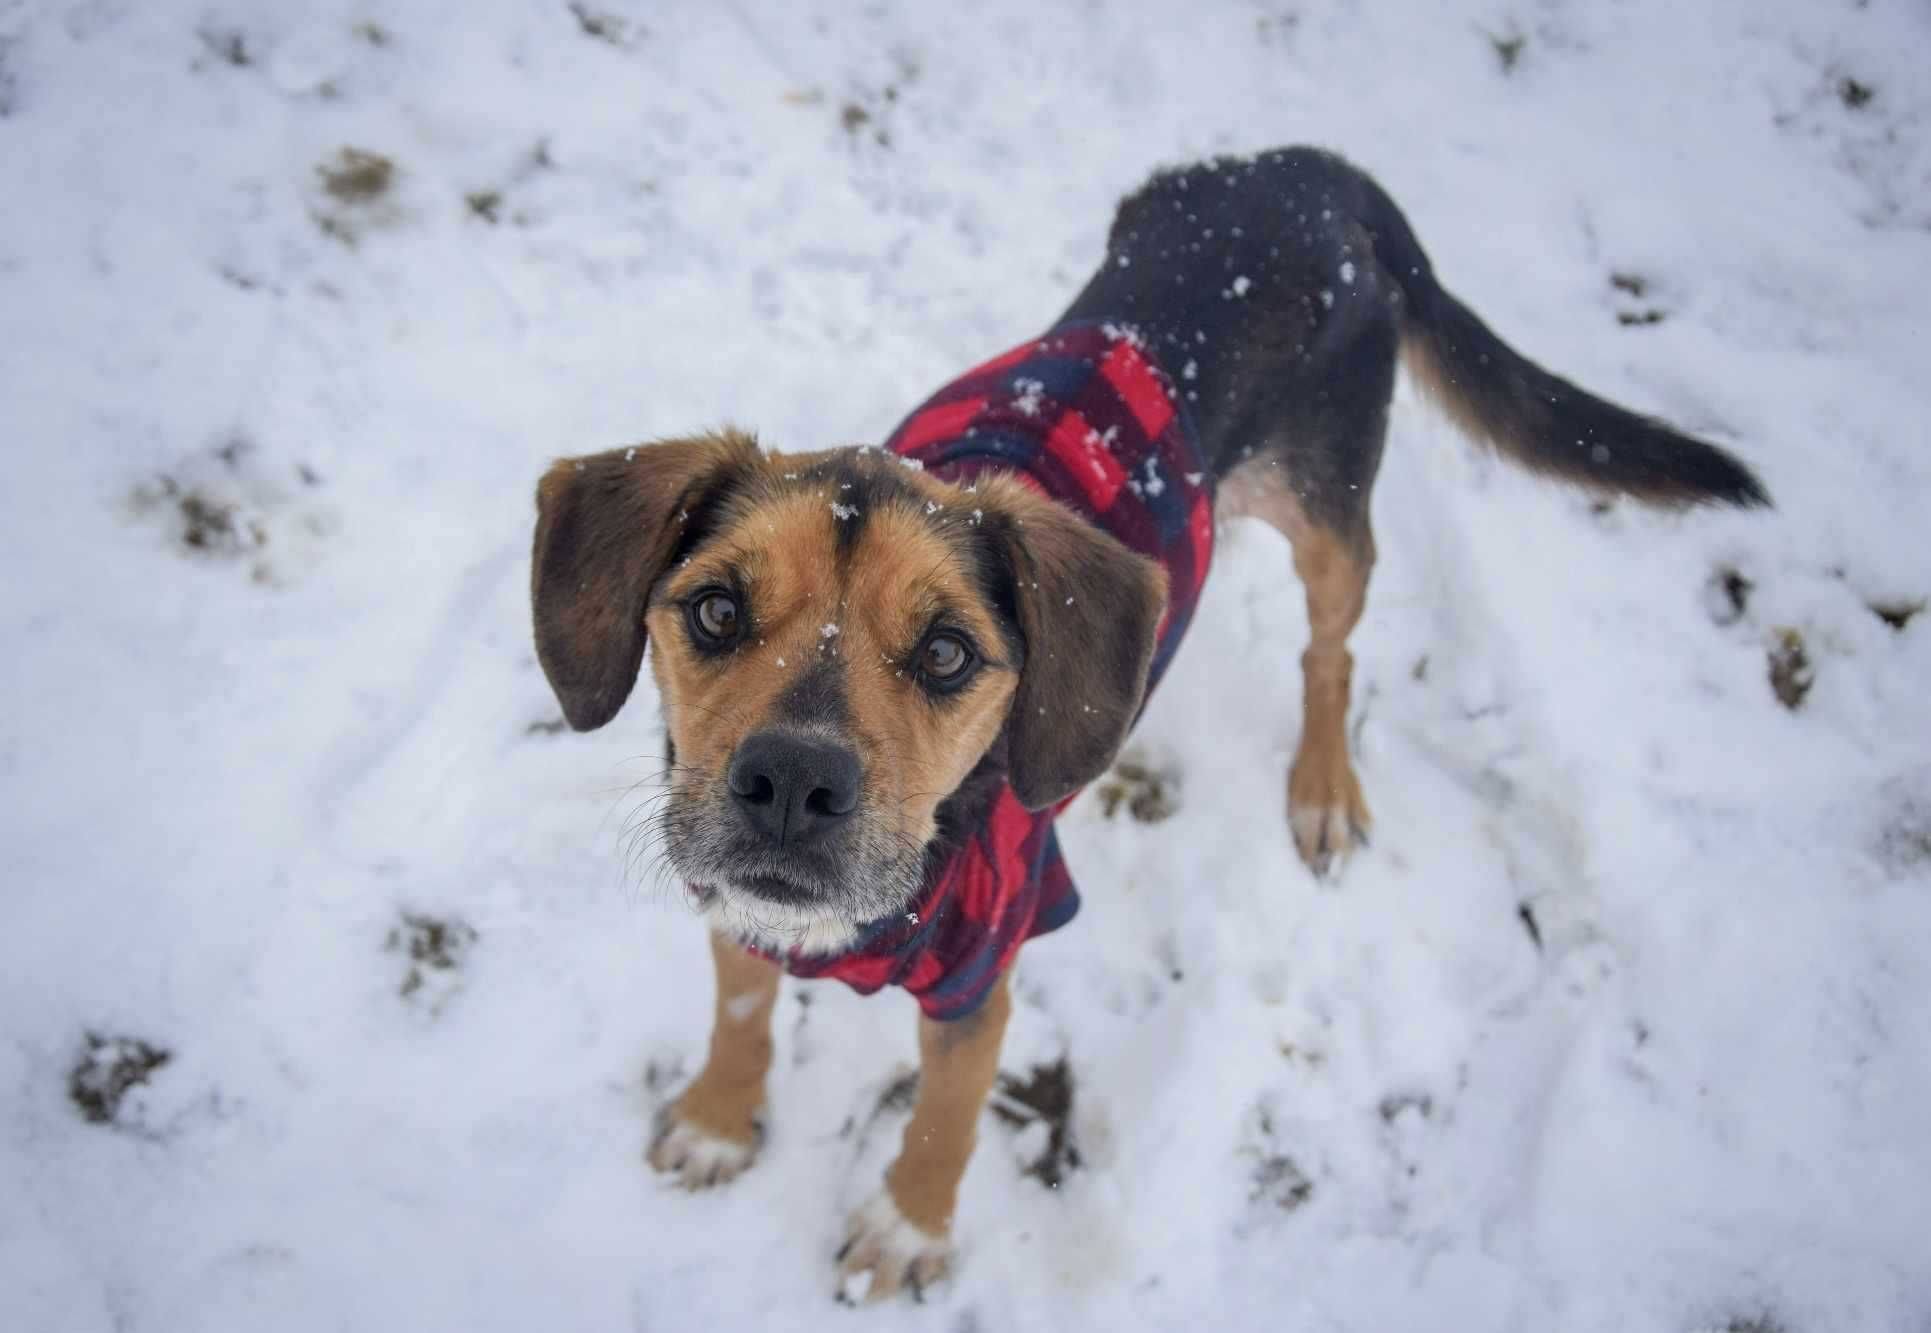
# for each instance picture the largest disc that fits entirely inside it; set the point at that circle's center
(851, 687)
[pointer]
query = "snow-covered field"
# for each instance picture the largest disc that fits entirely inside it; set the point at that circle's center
(1623, 1023)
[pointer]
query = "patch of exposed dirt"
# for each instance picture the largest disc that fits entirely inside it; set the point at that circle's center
(1791, 672)
(1150, 793)
(108, 1070)
(1526, 915)
(484, 204)
(227, 45)
(1635, 311)
(899, 1094)
(231, 503)
(1508, 47)
(852, 118)
(1897, 614)
(1727, 596)
(358, 194)
(356, 176)
(436, 948)
(1397, 1104)
(217, 526)
(867, 114)
(600, 25)
(1276, 1178)
(1039, 1105)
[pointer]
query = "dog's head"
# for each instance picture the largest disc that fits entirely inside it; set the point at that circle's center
(839, 642)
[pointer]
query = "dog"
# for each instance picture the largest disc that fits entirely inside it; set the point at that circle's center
(884, 670)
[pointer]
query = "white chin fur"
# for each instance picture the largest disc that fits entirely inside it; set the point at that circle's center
(778, 927)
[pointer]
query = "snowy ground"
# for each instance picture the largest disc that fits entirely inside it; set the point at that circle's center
(241, 781)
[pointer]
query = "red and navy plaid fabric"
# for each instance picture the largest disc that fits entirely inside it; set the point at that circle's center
(1086, 417)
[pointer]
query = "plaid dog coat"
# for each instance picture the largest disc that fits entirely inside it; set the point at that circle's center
(1086, 417)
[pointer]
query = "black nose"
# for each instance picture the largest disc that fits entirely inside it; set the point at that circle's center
(791, 789)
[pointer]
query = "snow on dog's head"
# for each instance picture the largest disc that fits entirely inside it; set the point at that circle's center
(849, 654)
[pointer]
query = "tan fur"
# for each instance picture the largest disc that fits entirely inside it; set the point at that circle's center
(957, 1064)
(914, 754)
(724, 1099)
(1326, 810)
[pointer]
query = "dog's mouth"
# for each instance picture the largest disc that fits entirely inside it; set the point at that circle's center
(774, 888)
(815, 899)
(773, 913)
(805, 908)
(764, 887)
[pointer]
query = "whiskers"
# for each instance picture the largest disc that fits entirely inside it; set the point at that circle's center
(643, 837)
(677, 827)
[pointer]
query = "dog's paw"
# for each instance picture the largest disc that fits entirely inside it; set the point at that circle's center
(886, 1253)
(1325, 810)
(699, 1158)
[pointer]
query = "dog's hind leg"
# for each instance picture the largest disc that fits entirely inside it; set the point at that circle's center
(1325, 809)
(1311, 482)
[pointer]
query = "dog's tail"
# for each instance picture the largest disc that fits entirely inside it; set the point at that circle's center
(1538, 419)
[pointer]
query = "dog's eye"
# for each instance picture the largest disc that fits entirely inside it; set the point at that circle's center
(945, 659)
(715, 616)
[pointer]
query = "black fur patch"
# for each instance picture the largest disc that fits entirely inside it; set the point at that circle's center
(817, 696)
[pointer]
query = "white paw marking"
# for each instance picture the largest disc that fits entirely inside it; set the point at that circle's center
(1325, 835)
(884, 1253)
(698, 1158)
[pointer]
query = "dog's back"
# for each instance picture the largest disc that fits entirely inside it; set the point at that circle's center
(1280, 288)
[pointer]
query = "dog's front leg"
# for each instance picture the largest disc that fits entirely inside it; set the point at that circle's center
(711, 1132)
(903, 1237)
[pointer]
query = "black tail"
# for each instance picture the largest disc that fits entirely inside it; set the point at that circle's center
(1540, 420)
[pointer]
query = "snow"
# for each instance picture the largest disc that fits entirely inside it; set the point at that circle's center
(235, 772)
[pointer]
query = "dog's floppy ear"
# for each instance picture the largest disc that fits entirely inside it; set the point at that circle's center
(606, 528)
(1089, 609)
